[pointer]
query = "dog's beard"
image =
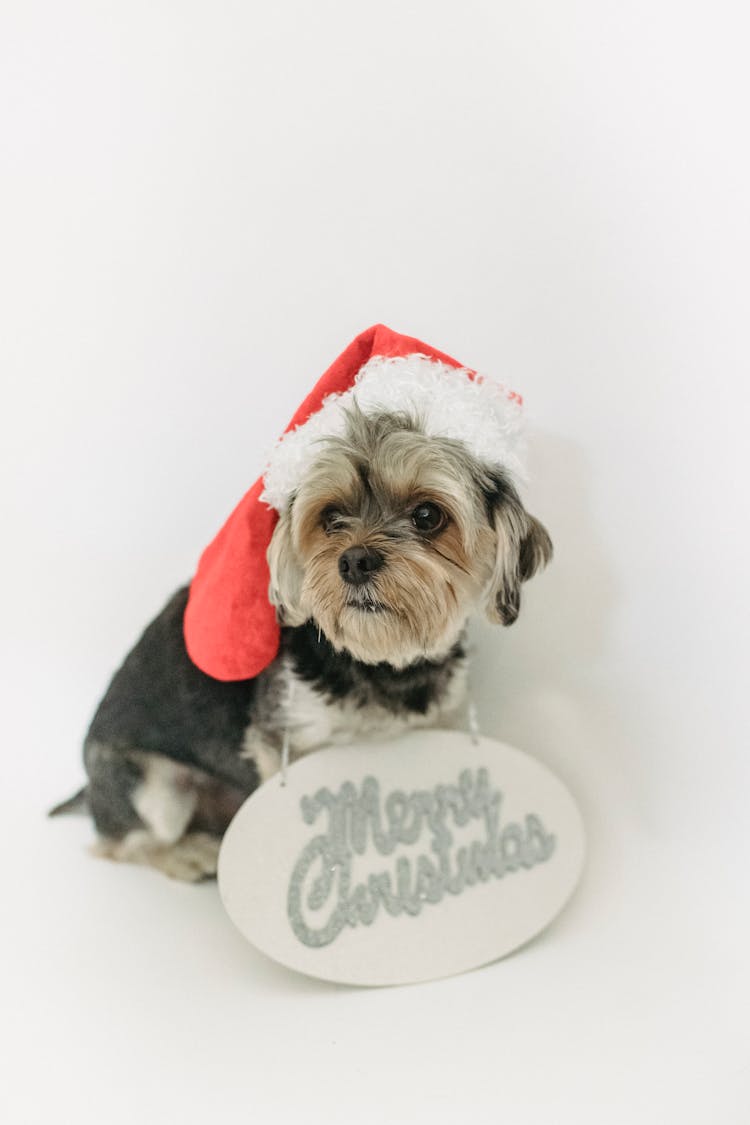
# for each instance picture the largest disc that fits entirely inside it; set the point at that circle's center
(414, 607)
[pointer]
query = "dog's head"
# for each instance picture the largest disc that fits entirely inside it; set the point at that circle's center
(394, 538)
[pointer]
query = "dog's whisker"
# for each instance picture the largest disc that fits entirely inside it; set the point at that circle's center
(451, 591)
(448, 559)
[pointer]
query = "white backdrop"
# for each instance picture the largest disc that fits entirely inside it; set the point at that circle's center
(202, 204)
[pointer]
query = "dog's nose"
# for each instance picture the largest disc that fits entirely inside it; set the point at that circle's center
(358, 564)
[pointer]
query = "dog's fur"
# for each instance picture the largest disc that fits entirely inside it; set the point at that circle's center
(171, 753)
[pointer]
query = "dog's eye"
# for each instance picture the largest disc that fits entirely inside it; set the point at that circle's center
(331, 519)
(428, 517)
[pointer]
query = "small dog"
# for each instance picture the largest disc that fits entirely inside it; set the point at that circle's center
(391, 541)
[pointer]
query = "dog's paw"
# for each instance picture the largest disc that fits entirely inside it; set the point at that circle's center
(192, 858)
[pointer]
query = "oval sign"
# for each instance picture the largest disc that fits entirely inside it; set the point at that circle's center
(391, 863)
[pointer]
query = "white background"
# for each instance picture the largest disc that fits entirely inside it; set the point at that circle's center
(202, 204)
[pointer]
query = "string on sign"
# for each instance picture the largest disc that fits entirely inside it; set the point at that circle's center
(473, 722)
(286, 738)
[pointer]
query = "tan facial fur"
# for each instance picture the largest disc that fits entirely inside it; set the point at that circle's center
(362, 492)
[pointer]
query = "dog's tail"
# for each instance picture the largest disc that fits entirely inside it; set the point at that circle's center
(78, 803)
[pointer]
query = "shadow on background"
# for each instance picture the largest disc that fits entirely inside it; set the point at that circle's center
(549, 684)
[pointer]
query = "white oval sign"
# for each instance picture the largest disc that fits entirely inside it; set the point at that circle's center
(400, 862)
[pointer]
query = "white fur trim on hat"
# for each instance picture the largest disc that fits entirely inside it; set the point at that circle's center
(448, 402)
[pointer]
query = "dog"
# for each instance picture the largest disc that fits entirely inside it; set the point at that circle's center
(391, 541)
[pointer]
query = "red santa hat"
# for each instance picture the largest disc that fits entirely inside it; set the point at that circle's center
(231, 631)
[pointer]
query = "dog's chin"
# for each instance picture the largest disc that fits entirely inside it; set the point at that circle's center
(375, 633)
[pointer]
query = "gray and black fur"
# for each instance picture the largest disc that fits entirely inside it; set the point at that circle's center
(160, 702)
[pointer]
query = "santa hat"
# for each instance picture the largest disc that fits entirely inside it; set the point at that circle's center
(231, 631)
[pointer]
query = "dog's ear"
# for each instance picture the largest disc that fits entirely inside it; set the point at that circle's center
(285, 587)
(522, 547)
